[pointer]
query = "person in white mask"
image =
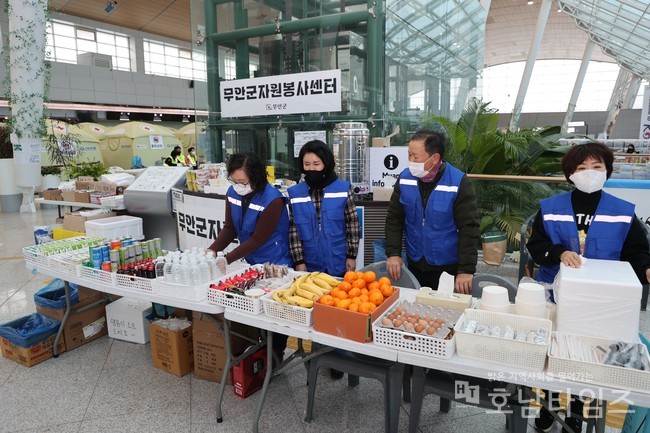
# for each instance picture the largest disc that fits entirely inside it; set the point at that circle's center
(434, 205)
(585, 222)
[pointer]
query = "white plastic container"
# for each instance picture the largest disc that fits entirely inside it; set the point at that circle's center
(115, 227)
(599, 292)
(127, 320)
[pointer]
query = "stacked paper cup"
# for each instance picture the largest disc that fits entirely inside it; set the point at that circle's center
(495, 298)
(531, 300)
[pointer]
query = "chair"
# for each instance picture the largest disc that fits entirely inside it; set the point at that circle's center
(389, 373)
(406, 280)
(491, 395)
(482, 280)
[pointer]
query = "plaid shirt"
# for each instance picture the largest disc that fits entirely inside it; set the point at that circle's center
(351, 229)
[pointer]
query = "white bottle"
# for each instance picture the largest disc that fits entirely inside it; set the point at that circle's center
(212, 266)
(195, 277)
(221, 262)
(186, 276)
(160, 267)
(176, 272)
(204, 272)
(168, 270)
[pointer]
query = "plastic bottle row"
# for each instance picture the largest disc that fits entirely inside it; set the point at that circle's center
(190, 267)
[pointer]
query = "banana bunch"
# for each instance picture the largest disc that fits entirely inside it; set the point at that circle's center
(306, 289)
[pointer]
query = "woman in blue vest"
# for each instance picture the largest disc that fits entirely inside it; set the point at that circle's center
(585, 222)
(324, 225)
(256, 214)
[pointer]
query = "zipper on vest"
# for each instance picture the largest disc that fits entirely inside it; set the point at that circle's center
(423, 221)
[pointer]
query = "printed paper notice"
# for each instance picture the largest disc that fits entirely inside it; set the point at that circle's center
(300, 138)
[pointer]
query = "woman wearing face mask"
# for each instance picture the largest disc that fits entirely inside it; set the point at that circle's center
(434, 205)
(585, 222)
(190, 159)
(324, 225)
(255, 214)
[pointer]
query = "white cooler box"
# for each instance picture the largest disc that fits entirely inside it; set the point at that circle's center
(601, 299)
(127, 320)
(116, 227)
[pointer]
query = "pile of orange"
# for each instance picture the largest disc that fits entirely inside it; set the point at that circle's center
(359, 291)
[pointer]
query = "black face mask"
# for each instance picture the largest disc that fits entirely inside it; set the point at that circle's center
(315, 179)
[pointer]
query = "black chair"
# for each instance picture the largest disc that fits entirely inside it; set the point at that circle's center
(479, 281)
(468, 390)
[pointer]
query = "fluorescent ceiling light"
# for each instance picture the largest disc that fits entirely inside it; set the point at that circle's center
(116, 108)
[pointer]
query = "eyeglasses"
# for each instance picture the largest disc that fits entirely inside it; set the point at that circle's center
(237, 183)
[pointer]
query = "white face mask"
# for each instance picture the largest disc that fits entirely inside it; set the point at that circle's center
(417, 168)
(589, 181)
(242, 189)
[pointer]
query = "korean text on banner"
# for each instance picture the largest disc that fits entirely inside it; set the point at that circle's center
(308, 92)
(644, 130)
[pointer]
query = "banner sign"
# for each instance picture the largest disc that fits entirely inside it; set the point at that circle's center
(644, 131)
(386, 164)
(308, 92)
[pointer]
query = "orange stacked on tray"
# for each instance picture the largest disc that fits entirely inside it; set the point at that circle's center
(359, 291)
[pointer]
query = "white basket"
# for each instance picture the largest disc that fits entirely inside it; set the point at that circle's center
(181, 291)
(113, 201)
(291, 313)
(601, 374)
(98, 276)
(115, 227)
(234, 301)
(410, 341)
(60, 263)
(132, 282)
(521, 354)
(34, 257)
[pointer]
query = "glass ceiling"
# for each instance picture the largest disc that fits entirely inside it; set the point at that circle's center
(619, 27)
(444, 37)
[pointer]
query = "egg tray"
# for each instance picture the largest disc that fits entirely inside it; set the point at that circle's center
(440, 345)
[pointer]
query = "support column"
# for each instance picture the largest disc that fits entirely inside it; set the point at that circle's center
(27, 71)
(375, 65)
(242, 58)
(530, 63)
(635, 85)
(212, 66)
(619, 93)
(586, 58)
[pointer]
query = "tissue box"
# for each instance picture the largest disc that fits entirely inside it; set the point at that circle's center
(600, 299)
(460, 302)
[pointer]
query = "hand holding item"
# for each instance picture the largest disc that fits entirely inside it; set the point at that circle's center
(464, 283)
(571, 259)
(301, 268)
(350, 264)
(394, 267)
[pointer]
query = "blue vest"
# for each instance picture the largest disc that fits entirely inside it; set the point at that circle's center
(607, 231)
(323, 245)
(431, 232)
(276, 248)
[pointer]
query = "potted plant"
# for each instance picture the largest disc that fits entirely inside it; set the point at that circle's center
(10, 196)
(50, 177)
(93, 169)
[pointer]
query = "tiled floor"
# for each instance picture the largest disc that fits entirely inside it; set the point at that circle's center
(111, 386)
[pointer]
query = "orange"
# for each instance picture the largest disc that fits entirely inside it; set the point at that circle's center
(373, 285)
(354, 292)
(334, 291)
(343, 303)
(326, 300)
(386, 290)
(356, 299)
(360, 283)
(369, 276)
(364, 298)
(359, 275)
(365, 291)
(354, 306)
(341, 294)
(384, 280)
(345, 286)
(350, 276)
(376, 298)
(367, 307)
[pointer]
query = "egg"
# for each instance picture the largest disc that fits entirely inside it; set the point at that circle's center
(397, 323)
(419, 328)
(400, 310)
(428, 319)
(412, 320)
(438, 321)
(386, 321)
(392, 316)
(435, 325)
(417, 317)
(431, 330)
(408, 326)
(423, 322)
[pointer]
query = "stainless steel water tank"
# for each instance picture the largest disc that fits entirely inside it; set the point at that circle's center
(350, 142)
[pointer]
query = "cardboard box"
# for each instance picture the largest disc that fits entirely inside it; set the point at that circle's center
(67, 195)
(128, 320)
(248, 374)
(32, 355)
(210, 348)
(82, 196)
(52, 194)
(172, 351)
(77, 223)
(349, 324)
